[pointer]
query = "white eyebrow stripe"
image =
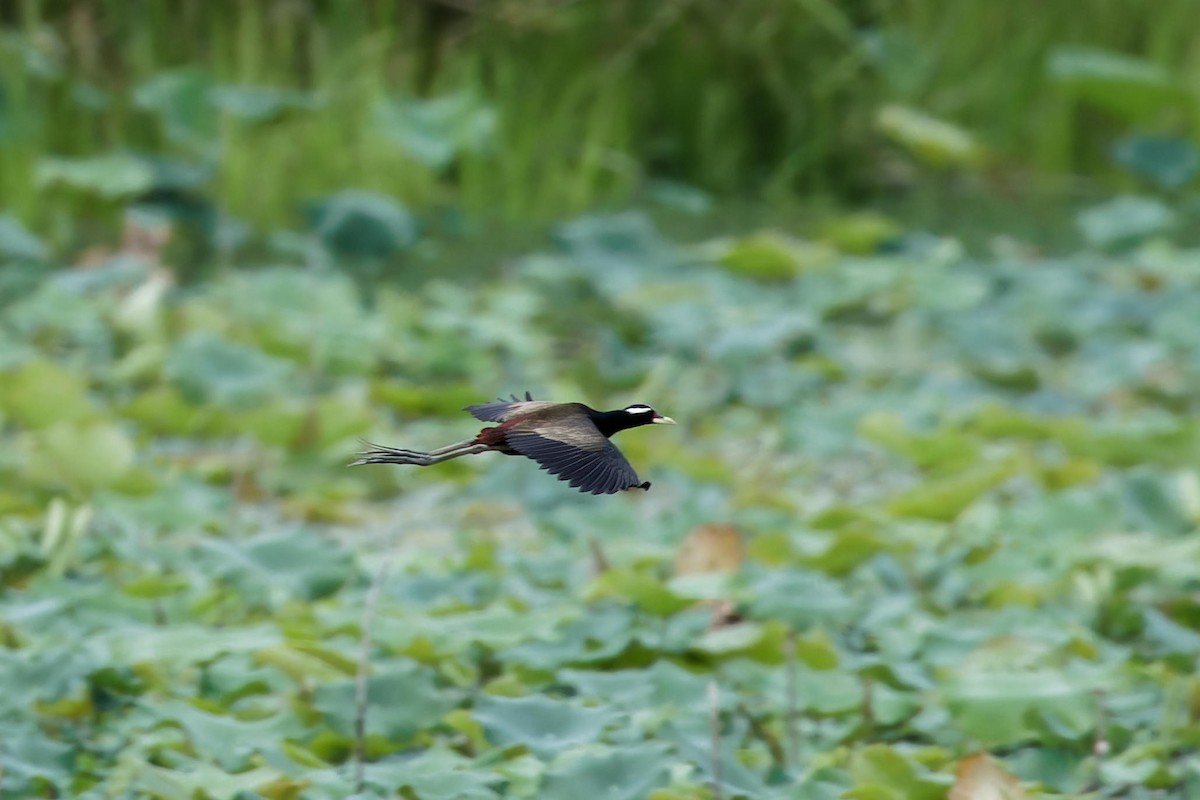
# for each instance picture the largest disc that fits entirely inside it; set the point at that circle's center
(639, 410)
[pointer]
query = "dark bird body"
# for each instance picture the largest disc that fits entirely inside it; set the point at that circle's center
(569, 440)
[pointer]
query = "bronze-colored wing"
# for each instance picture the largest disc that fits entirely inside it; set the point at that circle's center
(502, 409)
(588, 463)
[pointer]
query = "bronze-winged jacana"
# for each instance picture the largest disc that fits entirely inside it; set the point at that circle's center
(569, 440)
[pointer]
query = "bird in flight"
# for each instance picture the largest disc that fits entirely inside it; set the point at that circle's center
(568, 440)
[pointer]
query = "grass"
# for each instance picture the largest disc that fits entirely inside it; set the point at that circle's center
(592, 98)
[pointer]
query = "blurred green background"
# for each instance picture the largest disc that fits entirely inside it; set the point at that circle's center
(526, 111)
(918, 280)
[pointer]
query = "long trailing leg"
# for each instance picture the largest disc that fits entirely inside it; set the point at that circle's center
(450, 448)
(396, 451)
(379, 454)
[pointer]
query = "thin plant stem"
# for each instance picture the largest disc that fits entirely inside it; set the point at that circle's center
(360, 678)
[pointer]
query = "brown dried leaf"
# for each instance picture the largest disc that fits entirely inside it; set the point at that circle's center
(144, 239)
(713, 547)
(724, 613)
(140, 238)
(979, 777)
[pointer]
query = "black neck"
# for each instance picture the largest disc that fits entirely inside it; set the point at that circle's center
(610, 422)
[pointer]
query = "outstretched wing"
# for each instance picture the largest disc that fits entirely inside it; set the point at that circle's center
(590, 464)
(502, 409)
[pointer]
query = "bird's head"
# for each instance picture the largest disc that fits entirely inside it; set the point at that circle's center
(641, 414)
